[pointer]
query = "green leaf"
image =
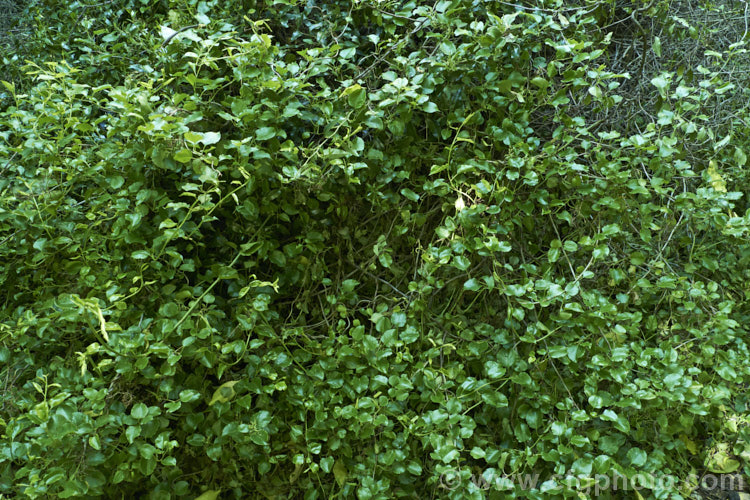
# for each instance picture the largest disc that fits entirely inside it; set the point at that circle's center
(189, 395)
(356, 96)
(414, 468)
(95, 443)
(494, 370)
(210, 138)
(430, 107)
(436, 169)
(495, 399)
(661, 82)
(600, 252)
(326, 464)
(409, 194)
(504, 247)
(116, 181)
(727, 372)
(636, 456)
(169, 310)
(386, 260)
(553, 254)
(206, 138)
(460, 262)
(448, 48)
(139, 411)
(582, 466)
(259, 437)
(472, 284)
(540, 82)
(132, 432)
(265, 133)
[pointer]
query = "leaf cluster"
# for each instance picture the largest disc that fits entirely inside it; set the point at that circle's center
(339, 249)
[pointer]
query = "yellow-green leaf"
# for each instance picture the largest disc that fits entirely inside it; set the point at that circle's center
(722, 463)
(295, 475)
(183, 155)
(340, 472)
(689, 444)
(224, 393)
(351, 89)
(208, 495)
(102, 323)
(193, 137)
(740, 157)
(717, 181)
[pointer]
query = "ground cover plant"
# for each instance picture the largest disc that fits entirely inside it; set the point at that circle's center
(372, 249)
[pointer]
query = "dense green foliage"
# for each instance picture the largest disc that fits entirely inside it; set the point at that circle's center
(338, 249)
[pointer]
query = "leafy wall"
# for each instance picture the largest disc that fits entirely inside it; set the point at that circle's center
(351, 248)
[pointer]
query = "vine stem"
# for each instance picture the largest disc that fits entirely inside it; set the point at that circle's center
(211, 286)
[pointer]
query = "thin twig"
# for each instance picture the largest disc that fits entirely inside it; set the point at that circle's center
(551, 11)
(572, 399)
(390, 49)
(378, 278)
(170, 37)
(83, 10)
(392, 14)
